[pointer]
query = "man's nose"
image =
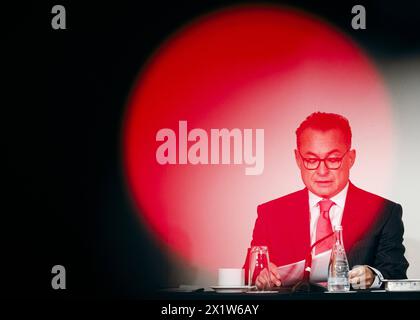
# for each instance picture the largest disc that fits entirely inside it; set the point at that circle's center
(322, 169)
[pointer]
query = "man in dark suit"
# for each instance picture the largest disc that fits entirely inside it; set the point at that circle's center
(372, 226)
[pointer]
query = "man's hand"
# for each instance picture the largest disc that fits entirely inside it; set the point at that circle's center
(268, 278)
(361, 277)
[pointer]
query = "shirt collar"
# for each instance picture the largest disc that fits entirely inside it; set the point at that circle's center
(339, 199)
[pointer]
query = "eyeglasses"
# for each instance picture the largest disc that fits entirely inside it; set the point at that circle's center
(332, 163)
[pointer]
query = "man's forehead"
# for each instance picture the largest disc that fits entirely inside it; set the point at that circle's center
(317, 141)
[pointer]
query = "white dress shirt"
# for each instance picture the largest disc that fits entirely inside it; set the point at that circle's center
(336, 215)
(336, 211)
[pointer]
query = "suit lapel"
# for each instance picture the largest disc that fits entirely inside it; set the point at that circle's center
(358, 215)
(302, 224)
(291, 231)
(348, 218)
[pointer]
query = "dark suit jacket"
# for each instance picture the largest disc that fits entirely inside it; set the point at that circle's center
(372, 231)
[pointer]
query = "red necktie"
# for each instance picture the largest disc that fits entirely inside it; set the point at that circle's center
(323, 227)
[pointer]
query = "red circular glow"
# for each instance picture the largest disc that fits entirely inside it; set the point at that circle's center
(246, 68)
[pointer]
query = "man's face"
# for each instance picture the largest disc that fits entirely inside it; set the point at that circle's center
(314, 144)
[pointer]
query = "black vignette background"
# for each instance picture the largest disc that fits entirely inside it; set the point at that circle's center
(66, 201)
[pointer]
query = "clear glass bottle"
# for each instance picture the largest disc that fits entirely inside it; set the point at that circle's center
(338, 269)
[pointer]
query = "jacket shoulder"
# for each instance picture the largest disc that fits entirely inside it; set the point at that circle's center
(371, 198)
(287, 200)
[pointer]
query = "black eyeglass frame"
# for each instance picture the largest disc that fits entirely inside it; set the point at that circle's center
(339, 159)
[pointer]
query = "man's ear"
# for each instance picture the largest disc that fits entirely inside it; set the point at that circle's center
(298, 159)
(352, 157)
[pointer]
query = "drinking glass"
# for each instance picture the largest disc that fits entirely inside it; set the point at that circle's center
(258, 261)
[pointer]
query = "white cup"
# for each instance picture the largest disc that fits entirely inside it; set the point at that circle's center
(231, 277)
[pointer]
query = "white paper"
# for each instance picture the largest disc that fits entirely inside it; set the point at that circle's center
(290, 274)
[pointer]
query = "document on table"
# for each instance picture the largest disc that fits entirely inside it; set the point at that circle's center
(290, 274)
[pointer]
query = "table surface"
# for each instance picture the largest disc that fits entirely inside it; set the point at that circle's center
(353, 295)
